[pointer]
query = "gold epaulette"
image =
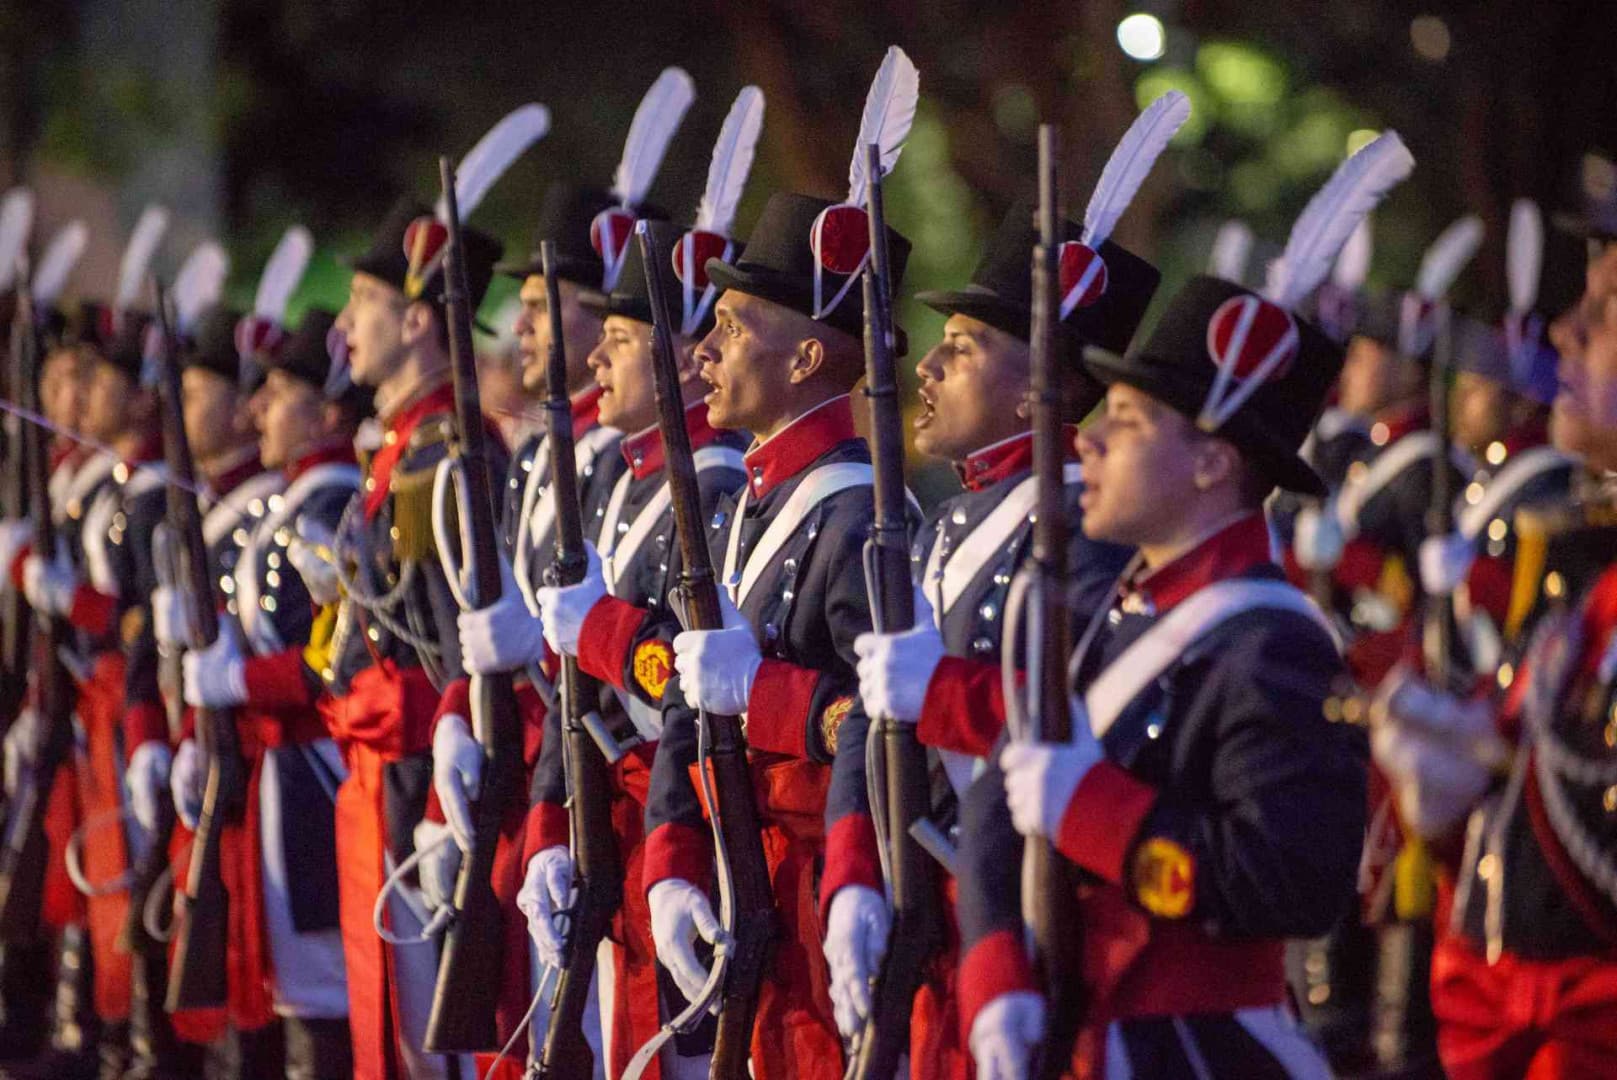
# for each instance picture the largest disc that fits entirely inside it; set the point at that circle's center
(317, 653)
(411, 491)
(1547, 553)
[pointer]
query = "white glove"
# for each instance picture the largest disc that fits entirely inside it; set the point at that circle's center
(185, 782)
(308, 555)
(439, 865)
(547, 888)
(1444, 563)
(505, 636)
(457, 775)
(1041, 777)
(679, 912)
(1004, 1034)
(21, 739)
(15, 534)
(563, 607)
(49, 583)
(856, 931)
(148, 780)
(216, 677)
(894, 669)
(171, 618)
(717, 667)
(1439, 751)
(1318, 540)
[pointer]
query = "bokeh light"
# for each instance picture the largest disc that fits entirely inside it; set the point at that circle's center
(1142, 36)
(1429, 35)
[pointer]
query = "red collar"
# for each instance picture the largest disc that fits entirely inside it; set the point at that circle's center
(998, 461)
(337, 453)
(238, 474)
(1240, 546)
(799, 444)
(644, 450)
(1534, 432)
(150, 449)
(1397, 422)
(586, 409)
(398, 430)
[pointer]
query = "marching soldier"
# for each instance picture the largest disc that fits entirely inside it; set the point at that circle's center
(1209, 804)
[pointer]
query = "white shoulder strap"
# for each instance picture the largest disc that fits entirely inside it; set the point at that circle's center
(622, 552)
(1155, 650)
(815, 488)
(1356, 494)
(1518, 472)
(992, 533)
(537, 511)
(229, 511)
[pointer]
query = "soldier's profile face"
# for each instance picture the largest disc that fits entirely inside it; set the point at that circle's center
(290, 416)
(373, 323)
(621, 364)
(214, 420)
(1367, 377)
(973, 383)
(1139, 470)
(1481, 410)
(580, 330)
(61, 388)
(746, 362)
(107, 402)
(1586, 407)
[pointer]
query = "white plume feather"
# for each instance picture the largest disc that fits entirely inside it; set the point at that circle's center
(732, 161)
(1447, 256)
(1232, 248)
(889, 112)
(1353, 265)
(1131, 163)
(494, 153)
(56, 265)
(1524, 255)
(16, 222)
(1332, 215)
(655, 121)
(137, 258)
(282, 273)
(200, 281)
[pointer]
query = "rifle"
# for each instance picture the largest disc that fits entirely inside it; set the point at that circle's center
(1437, 630)
(1048, 906)
(23, 852)
(598, 865)
(466, 997)
(745, 900)
(906, 792)
(14, 621)
(198, 977)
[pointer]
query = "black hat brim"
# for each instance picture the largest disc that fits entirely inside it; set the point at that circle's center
(792, 292)
(578, 271)
(604, 304)
(982, 305)
(1277, 462)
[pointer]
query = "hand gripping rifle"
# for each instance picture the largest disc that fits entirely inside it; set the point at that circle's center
(198, 972)
(467, 994)
(746, 904)
(1051, 882)
(23, 852)
(598, 865)
(905, 786)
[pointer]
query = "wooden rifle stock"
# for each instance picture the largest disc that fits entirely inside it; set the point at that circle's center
(23, 851)
(916, 933)
(1057, 943)
(597, 863)
(736, 815)
(466, 997)
(198, 973)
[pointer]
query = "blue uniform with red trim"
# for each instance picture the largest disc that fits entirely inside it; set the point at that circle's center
(1227, 816)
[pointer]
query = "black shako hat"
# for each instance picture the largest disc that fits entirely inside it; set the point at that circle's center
(574, 218)
(806, 253)
(120, 342)
(316, 353)
(211, 343)
(389, 256)
(1106, 313)
(1179, 365)
(631, 296)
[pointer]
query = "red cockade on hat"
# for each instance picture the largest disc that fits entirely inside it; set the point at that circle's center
(1083, 276)
(690, 258)
(424, 244)
(1251, 341)
(1417, 324)
(609, 236)
(256, 335)
(840, 240)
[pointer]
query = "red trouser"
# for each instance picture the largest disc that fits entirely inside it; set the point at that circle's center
(1524, 1018)
(105, 854)
(936, 1049)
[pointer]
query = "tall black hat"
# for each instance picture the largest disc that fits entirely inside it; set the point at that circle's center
(1242, 365)
(397, 243)
(317, 353)
(566, 216)
(211, 343)
(1419, 308)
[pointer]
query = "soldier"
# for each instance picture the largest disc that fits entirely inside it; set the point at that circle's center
(1513, 790)
(1208, 803)
(944, 675)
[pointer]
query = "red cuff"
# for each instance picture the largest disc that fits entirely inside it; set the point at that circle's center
(1105, 814)
(851, 858)
(531, 708)
(676, 851)
(277, 681)
(778, 708)
(145, 722)
(547, 826)
(456, 701)
(92, 611)
(434, 810)
(606, 637)
(188, 724)
(996, 965)
(964, 707)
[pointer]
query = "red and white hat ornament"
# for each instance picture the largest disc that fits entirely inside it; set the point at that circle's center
(264, 330)
(1422, 308)
(427, 237)
(1083, 273)
(840, 235)
(1252, 339)
(710, 238)
(655, 120)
